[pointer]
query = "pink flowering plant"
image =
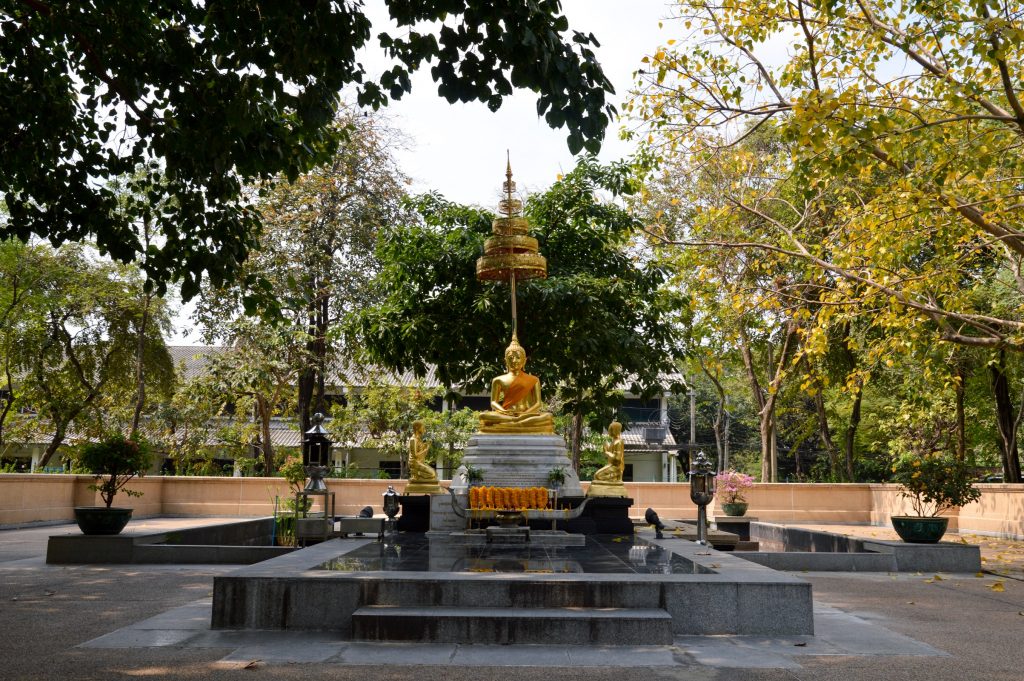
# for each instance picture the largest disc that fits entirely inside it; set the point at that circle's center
(730, 486)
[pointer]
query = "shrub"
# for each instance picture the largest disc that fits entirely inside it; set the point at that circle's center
(934, 482)
(730, 485)
(118, 459)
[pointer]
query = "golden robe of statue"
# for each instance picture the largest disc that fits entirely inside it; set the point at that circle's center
(607, 481)
(515, 399)
(422, 478)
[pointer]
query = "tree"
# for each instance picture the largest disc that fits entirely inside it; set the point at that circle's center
(602, 318)
(448, 432)
(257, 376)
(315, 259)
(22, 268)
(199, 99)
(380, 415)
(80, 343)
(932, 147)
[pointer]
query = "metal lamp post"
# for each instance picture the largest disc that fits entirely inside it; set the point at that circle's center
(391, 508)
(702, 491)
(316, 455)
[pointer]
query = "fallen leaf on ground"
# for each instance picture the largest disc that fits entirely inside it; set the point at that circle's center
(997, 586)
(979, 574)
(937, 578)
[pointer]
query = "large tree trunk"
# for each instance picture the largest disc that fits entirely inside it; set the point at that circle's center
(764, 426)
(766, 399)
(60, 431)
(264, 410)
(825, 434)
(1006, 420)
(961, 420)
(140, 376)
(576, 440)
(849, 438)
(719, 416)
(312, 381)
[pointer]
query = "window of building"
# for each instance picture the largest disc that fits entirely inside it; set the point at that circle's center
(474, 402)
(627, 473)
(634, 410)
(392, 468)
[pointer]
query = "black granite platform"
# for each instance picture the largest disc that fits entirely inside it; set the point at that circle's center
(414, 552)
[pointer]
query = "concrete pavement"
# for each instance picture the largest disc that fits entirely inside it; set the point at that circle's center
(100, 622)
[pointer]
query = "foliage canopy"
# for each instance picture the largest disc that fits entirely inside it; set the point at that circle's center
(194, 100)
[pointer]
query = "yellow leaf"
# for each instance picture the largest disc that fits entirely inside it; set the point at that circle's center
(997, 587)
(979, 574)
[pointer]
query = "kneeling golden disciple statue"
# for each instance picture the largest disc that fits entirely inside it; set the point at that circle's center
(422, 477)
(607, 481)
(515, 399)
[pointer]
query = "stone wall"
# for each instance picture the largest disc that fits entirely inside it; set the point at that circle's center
(26, 498)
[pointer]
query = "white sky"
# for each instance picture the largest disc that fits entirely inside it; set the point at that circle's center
(459, 149)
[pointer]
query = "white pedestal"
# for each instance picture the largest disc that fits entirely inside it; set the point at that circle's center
(443, 518)
(517, 461)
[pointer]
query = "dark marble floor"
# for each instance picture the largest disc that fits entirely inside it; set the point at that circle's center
(601, 554)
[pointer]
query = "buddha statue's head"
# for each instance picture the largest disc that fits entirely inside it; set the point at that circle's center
(417, 427)
(515, 355)
(615, 429)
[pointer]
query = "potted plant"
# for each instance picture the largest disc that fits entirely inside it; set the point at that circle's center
(556, 477)
(474, 475)
(934, 483)
(729, 488)
(114, 461)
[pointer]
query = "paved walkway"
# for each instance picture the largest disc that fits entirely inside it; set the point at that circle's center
(103, 622)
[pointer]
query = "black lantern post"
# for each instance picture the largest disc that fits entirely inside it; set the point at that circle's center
(702, 491)
(391, 508)
(316, 455)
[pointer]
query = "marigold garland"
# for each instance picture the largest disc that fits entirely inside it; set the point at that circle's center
(508, 498)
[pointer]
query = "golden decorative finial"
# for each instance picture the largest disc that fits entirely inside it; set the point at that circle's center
(510, 254)
(509, 205)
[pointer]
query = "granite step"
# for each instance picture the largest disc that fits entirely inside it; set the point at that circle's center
(445, 624)
(468, 591)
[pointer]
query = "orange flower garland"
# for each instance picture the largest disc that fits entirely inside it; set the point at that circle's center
(508, 498)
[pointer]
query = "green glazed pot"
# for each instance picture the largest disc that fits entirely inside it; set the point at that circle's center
(915, 530)
(737, 508)
(102, 520)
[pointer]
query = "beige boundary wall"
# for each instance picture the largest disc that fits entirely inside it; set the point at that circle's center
(28, 498)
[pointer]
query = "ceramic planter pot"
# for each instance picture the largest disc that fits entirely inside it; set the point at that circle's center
(102, 520)
(915, 530)
(736, 508)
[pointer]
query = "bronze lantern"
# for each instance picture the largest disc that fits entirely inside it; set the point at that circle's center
(316, 455)
(702, 491)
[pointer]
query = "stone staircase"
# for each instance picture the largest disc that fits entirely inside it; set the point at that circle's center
(553, 613)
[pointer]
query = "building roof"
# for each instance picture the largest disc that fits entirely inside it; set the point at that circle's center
(193, 359)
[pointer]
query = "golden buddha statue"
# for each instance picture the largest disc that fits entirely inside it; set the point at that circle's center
(422, 477)
(607, 481)
(515, 399)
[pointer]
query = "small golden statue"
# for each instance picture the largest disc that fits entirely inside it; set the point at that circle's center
(607, 481)
(515, 399)
(422, 477)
